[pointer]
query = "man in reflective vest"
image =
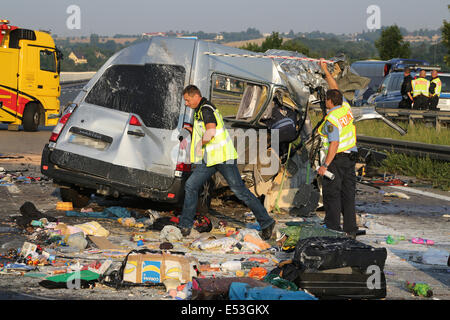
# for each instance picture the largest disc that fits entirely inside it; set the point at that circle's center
(421, 88)
(339, 144)
(212, 150)
(435, 90)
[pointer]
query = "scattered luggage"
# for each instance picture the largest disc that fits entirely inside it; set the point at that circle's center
(343, 283)
(322, 253)
(336, 268)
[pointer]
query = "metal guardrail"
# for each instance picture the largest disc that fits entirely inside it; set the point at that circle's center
(433, 151)
(438, 118)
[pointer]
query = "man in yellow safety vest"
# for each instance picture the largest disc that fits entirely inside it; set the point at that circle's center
(435, 90)
(421, 88)
(212, 150)
(339, 144)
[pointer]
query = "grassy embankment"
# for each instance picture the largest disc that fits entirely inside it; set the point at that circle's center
(434, 172)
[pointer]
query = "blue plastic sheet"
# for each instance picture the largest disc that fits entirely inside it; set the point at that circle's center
(108, 213)
(242, 291)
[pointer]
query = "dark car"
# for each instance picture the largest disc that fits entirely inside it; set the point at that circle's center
(377, 71)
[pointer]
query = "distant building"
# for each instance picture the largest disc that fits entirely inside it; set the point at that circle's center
(162, 34)
(410, 38)
(154, 34)
(77, 57)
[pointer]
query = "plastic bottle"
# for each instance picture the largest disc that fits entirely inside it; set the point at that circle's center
(36, 223)
(327, 174)
(394, 239)
(422, 241)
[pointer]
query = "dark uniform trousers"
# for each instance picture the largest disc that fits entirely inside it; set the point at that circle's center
(434, 101)
(339, 194)
(421, 102)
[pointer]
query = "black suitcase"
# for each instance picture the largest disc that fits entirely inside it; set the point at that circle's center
(342, 284)
(322, 253)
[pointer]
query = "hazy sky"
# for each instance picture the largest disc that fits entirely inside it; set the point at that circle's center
(136, 16)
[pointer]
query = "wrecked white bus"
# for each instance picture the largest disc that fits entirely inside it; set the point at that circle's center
(122, 134)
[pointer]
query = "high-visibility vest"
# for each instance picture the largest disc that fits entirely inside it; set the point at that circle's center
(420, 86)
(219, 149)
(342, 119)
(437, 89)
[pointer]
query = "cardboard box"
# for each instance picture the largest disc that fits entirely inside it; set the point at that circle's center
(156, 268)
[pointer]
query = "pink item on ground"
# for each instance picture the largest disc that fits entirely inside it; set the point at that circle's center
(422, 241)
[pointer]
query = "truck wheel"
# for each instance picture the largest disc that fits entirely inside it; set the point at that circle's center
(78, 198)
(31, 117)
(205, 196)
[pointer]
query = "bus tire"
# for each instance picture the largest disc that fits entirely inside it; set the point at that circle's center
(31, 117)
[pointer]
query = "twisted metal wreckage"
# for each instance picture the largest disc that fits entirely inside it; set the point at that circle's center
(296, 186)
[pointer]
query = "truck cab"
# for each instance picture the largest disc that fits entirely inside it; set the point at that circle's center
(29, 81)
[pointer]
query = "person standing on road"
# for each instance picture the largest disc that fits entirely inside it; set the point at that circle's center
(435, 90)
(421, 91)
(406, 90)
(212, 150)
(339, 141)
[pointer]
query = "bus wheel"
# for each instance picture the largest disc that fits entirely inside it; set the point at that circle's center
(31, 117)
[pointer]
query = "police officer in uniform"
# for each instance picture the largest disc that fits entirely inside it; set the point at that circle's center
(421, 88)
(212, 150)
(435, 90)
(339, 140)
(406, 90)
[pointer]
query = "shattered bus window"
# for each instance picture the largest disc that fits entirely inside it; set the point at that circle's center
(152, 91)
(237, 99)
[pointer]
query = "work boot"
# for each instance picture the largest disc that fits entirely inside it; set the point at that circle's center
(185, 231)
(266, 233)
(355, 233)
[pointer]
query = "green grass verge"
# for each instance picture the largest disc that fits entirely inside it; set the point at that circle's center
(434, 172)
(419, 132)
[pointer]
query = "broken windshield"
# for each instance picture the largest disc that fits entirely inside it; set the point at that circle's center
(152, 91)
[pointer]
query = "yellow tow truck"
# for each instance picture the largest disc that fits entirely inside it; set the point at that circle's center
(29, 78)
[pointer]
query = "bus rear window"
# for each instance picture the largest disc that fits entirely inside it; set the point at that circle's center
(153, 91)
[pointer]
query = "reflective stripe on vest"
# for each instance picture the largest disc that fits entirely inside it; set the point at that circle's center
(437, 89)
(342, 119)
(220, 149)
(420, 86)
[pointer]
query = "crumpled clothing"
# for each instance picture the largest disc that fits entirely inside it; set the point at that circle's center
(170, 234)
(93, 228)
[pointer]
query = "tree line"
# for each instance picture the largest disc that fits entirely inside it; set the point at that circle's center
(382, 44)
